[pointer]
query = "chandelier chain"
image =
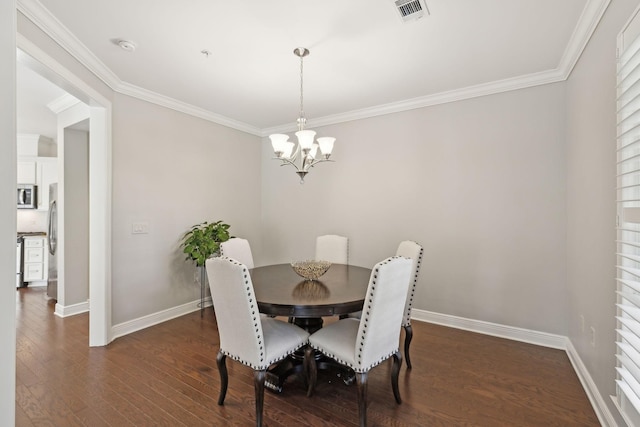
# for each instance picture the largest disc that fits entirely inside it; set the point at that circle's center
(302, 119)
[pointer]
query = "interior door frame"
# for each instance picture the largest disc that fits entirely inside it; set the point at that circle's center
(100, 183)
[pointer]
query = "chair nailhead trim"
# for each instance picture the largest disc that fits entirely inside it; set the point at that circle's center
(264, 364)
(350, 365)
(406, 321)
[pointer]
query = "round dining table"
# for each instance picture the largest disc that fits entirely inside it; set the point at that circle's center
(280, 291)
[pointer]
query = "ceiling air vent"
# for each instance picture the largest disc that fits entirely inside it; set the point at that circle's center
(411, 9)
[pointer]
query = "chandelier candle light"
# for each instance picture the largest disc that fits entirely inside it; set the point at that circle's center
(306, 148)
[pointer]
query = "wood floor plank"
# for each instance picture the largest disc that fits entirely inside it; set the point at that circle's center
(61, 413)
(167, 375)
(31, 407)
(22, 419)
(89, 418)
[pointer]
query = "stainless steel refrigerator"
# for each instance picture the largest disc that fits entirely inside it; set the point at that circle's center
(52, 232)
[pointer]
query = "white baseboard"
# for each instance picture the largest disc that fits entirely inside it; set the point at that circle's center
(532, 337)
(38, 284)
(510, 332)
(134, 325)
(71, 310)
(599, 406)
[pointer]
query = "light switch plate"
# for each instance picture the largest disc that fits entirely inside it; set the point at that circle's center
(140, 228)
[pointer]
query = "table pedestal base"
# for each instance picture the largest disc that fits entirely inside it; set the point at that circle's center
(294, 364)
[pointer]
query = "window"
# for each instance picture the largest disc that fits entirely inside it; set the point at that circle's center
(628, 227)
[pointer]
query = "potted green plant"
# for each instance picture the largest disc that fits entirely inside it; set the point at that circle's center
(202, 242)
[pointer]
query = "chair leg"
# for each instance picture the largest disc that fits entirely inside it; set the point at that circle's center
(395, 372)
(310, 369)
(258, 383)
(361, 381)
(224, 377)
(408, 336)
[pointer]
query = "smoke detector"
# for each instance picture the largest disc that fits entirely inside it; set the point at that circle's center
(127, 45)
(411, 9)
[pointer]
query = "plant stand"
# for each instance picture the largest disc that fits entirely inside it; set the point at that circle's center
(203, 284)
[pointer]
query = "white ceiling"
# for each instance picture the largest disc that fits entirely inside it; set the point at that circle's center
(33, 94)
(364, 60)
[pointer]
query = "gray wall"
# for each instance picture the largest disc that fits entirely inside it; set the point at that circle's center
(479, 183)
(7, 210)
(172, 171)
(591, 171)
(76, 217)
(73, 207)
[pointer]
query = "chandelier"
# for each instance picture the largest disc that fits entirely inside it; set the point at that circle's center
(306, 153)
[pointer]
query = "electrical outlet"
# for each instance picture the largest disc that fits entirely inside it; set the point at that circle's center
(593, 336)
(582, 322)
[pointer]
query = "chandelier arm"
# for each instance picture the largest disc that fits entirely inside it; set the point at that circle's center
(294, 155)
(308, 166)
(316, 161)
(289, 162)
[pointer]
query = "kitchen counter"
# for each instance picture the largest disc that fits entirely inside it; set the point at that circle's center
(31, 233)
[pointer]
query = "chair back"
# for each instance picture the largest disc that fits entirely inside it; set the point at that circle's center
(379, 330)
(236, 310)
(332, 248)
(238, 249)
(410, 249)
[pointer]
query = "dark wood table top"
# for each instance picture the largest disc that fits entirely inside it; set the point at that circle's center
(281, 292)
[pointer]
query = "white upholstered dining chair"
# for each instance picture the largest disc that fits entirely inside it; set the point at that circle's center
(362, 344)
(246, 337)
(238, 249)
(332, 248)
(407, 249)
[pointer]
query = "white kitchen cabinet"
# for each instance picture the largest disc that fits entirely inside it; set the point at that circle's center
(27, 172)
(35, 260)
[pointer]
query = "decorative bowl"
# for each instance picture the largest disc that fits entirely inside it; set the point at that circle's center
(310, 270)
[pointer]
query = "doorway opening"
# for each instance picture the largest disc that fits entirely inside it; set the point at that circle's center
(99, 183)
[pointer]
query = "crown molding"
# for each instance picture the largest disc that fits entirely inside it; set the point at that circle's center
(587, 23)
(62, 103)
(174, 104)
(47, 22)
(584, 29)
(500, 86)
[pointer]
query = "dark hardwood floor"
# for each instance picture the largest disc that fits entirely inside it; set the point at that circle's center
(167, 375)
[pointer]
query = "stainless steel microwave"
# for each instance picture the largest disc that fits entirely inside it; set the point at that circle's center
(27, 196)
